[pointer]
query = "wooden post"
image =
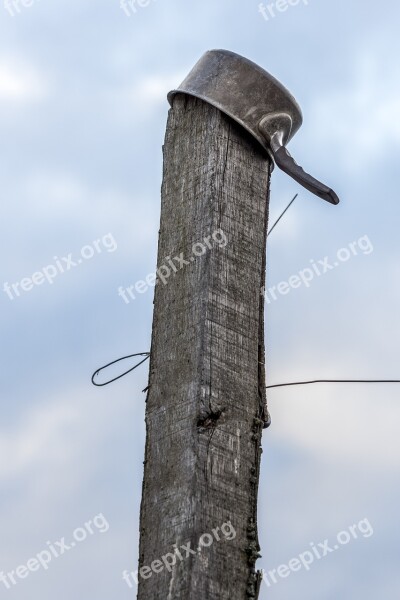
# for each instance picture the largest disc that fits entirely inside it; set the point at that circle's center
(206, 397)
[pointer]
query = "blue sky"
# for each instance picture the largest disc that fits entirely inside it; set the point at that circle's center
(82, 117)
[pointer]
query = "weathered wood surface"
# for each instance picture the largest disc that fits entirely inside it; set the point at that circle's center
(206, 395)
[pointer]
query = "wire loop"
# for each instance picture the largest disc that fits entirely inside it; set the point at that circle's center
(146, 354)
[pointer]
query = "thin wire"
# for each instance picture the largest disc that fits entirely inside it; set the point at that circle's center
(146, 354)
(268, 387)
(277, 221)
(277, 385)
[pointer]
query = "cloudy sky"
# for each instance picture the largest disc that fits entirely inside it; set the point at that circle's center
(82, 117)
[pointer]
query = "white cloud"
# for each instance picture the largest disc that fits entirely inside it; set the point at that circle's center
(40, 438)
(20, 82)
(146, 95)
(47, 196)
(154, 88)
(55, 447)
(349, 426)
(360, 120)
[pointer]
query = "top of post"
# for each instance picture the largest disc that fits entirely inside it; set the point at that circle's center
(241, 89)
(258, 102)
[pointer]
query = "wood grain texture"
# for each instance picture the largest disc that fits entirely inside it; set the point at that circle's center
(206, 397)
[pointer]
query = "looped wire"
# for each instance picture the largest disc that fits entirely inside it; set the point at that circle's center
(145, 354)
